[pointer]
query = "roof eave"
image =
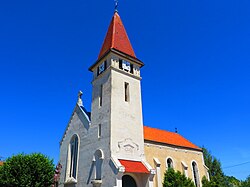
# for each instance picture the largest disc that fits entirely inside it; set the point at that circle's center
(173, 145)
(120, 53)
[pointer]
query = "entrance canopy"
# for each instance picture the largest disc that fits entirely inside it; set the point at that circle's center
(134, 166)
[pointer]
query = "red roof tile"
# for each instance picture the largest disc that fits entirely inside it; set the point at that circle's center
(134, 166)
(1, 163)
(167, 137)
(117, 38)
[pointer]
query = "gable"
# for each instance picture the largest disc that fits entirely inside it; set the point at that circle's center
(83, 116)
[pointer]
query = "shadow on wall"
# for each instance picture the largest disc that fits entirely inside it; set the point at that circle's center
(96, 167)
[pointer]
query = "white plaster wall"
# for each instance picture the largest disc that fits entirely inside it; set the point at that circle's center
(101, 115)
(89, 143)
(122, 120)
(75, 127)
(126, 117)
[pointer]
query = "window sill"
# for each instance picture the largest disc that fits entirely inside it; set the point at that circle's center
(70, 180)
(96, 183)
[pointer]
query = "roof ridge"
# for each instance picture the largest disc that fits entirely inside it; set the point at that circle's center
(159, 129)
(113, 33)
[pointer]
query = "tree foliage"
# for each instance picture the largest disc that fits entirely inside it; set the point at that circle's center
(176, 179)
(232, 181)
(22, 170)
(246, 183)
(217, 177)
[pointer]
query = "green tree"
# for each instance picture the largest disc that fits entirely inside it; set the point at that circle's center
(22, 170)
(232, 181)
(217, 177)
(176, 179)
(246, 183)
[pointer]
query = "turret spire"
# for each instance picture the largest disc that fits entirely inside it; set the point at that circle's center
(117, 38)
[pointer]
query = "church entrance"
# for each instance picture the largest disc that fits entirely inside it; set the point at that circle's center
(128, 181)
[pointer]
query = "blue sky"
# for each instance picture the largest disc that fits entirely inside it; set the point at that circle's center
(196, 74)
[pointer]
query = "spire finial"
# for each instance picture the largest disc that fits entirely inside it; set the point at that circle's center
(116, 5)
(79, 101)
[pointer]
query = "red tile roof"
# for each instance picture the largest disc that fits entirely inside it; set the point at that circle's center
(134, 166)
(167, 137)
(117, 38)
(1, 163)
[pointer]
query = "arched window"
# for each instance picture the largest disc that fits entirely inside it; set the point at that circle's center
(196, 174)
(170, 163)
(99, 156)
(73, 156)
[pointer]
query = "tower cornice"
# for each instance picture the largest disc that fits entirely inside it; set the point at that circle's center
(119, 53)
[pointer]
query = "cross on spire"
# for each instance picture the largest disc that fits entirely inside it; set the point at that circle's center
(116, 5)
(79, 101)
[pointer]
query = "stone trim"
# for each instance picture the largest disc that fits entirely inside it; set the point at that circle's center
(71, 117)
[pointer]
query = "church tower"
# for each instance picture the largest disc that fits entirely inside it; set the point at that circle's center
(116, 109)
(116, 100)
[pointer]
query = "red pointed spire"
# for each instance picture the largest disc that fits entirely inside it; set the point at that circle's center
(117, 38)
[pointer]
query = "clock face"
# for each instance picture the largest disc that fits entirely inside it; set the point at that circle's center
(126, 65)
(101, 68)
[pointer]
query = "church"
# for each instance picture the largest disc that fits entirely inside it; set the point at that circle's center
(110, 146)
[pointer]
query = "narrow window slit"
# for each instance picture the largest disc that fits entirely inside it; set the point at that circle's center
(126, 86)
(99, 131)
(100, 97)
